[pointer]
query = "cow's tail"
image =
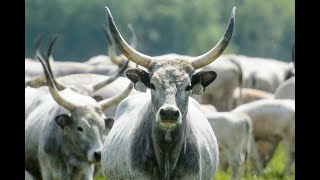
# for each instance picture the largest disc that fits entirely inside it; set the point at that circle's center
(240, 80)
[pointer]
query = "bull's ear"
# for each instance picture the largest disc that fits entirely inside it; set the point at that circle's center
(201, 80)
(140, 78)
(109, 122)
(63, 120)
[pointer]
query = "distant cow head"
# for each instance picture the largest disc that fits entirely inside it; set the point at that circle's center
(84, 128)
(171, 78)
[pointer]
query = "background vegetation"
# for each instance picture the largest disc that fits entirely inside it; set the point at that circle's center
(263, 28)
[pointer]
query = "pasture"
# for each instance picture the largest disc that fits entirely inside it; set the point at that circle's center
(272, 172)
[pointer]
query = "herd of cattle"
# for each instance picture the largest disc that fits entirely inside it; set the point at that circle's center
(173, 116)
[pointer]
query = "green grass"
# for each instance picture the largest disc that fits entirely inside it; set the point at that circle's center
(272, 172)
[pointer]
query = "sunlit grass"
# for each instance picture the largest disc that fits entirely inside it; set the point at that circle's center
(274, 170)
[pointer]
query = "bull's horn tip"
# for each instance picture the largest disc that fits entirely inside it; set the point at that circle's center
(233, 11)
(108, 11)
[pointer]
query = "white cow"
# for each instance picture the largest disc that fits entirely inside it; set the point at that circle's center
(273, 119)
(64, 134)
(262, 73)
(234, 135)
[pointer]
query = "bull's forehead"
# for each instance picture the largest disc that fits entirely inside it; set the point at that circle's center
(91, 114)
(171, 71)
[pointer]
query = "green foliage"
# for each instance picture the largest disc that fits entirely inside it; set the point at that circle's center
(272, 172)
(263, 28)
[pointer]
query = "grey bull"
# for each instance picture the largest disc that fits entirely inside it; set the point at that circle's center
(64, 134)
(162, 134)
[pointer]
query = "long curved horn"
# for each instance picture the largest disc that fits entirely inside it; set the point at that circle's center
(37, 44)
(111, 47)
(126, 50)
(112, 78)
(216, 51)
(40, 79)
(52, 87)
(107, 103)
(133, 42)
(48, 62)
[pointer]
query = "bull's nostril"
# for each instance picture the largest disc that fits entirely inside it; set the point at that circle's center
(176, 114)
(162, 113)
(97, 155)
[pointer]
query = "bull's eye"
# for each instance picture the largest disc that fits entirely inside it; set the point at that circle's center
(188, 88)
(79, 129)
(152, 86)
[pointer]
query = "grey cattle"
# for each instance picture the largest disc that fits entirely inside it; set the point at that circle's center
(262, 73)
(64, 134)
(162, 134)
(234, 135)
(273, 120)
(286, 89)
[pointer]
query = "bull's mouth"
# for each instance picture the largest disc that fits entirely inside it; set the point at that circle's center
(168, 123)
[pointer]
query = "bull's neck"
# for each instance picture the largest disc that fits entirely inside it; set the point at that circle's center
(167, 146)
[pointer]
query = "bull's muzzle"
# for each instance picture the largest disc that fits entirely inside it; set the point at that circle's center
(94, 156)
(169, 116)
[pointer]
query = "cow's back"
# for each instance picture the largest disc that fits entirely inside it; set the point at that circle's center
(270, 111)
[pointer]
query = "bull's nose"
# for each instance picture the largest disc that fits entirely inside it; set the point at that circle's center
(97, 156)
(169, 113)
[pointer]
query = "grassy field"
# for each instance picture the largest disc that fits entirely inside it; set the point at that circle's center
(272, 172)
